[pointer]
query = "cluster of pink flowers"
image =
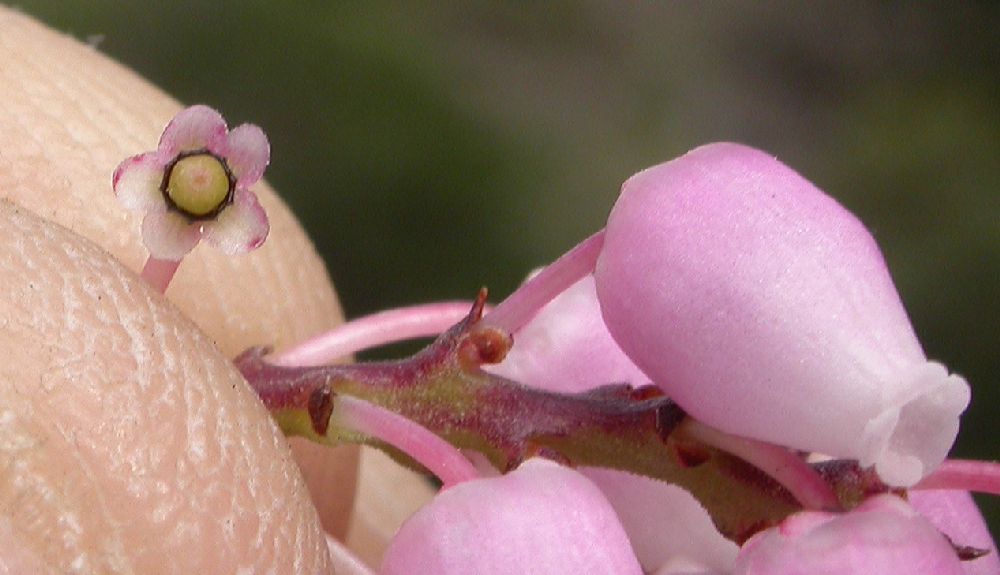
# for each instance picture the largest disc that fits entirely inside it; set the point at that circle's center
(755, 301)
(765, 309)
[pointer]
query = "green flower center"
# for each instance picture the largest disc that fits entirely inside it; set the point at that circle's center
(198, 185)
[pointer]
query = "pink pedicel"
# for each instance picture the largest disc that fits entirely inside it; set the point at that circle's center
(540, 518)
(566, 348)
(765, 309)
(375, 330)
(439, 457)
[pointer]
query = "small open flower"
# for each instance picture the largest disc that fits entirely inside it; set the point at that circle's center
(196, 185)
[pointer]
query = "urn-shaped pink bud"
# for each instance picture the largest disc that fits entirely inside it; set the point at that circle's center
(541, 518)
(883, 535)
(764, 308)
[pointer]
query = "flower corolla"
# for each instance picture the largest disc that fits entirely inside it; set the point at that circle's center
(196, 185)
(540, 518)
(765, 309)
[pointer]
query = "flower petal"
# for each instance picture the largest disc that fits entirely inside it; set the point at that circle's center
(194, 128)
(665, 523)
(540, 518)
(241, 227)
(764, 308)
(168, 235)
(955, 514)
(137, 182)
(567, 348)
(248, 154)
(883, 535)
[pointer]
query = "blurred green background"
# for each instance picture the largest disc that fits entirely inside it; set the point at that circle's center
(433, 147)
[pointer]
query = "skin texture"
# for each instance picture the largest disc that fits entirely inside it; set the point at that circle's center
(111, 465)
(134, 444)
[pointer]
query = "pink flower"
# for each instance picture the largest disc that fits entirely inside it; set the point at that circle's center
(883, 535)
(566, 348)
(540, 518)
(196, 185)
(669, 529)
(764, 309)
(955, 514)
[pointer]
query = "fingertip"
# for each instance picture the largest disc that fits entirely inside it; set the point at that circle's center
(129, 439)
(70, 116)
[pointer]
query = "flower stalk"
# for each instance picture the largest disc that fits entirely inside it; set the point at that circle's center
(965, 475)
(158, 273)
(373, 422)
(374, 330)
(527, 300)
(786, 467)
(444, 390)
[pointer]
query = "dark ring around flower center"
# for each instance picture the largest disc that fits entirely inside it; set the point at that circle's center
(214, 211)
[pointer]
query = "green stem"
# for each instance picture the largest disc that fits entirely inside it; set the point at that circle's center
(444, 390)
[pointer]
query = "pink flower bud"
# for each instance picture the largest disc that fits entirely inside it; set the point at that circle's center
(567, 348)
(540, 518)
(955, 514)
(883, 535)
(765, 309)
(670, 531)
